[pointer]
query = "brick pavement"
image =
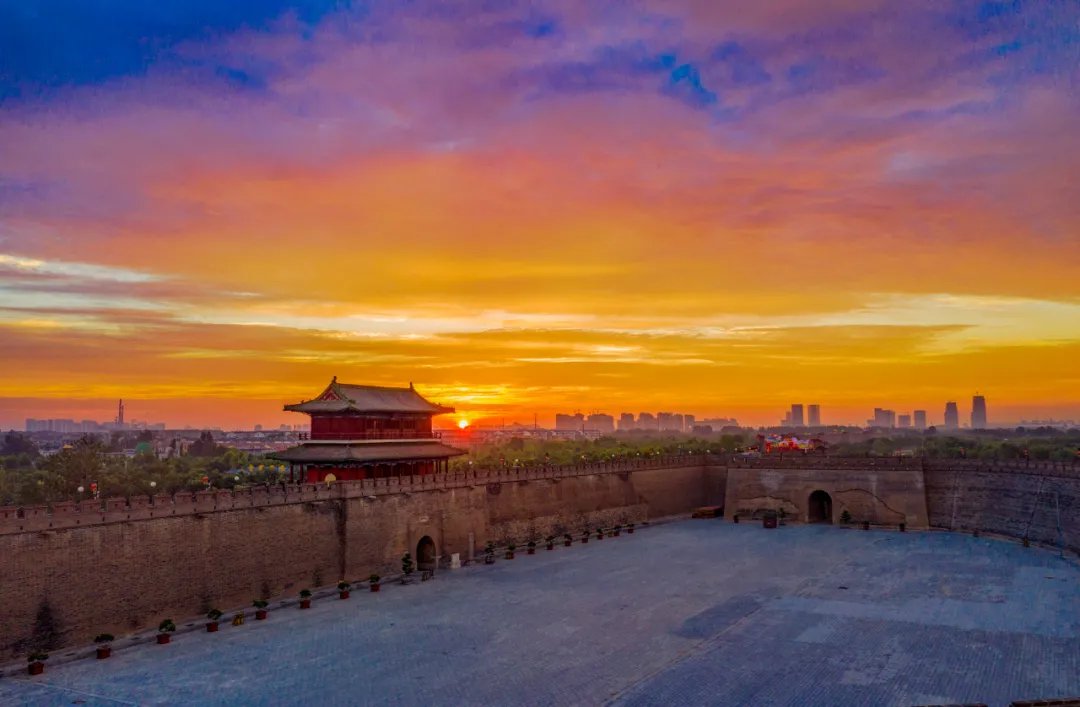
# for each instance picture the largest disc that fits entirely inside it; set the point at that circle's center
(696, 612)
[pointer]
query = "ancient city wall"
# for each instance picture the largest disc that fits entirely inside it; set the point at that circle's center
(1038, 501)
(68, 573)
(887, 494)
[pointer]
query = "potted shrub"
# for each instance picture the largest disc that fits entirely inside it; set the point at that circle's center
(531, 547)
(903, 527)
(551, 542)
(510, 551)
(36, 662)
(599, 533)
(781, 516)
(260, 609)
(373, 582)
(343, 589)
(567, 540)
(735, 518)
(630, 528)
(407, 568)
(489, 553)
(584, 536)
(104, 645)
(845, 517)
(866, 525)
(165, 628)
(213, 615)
(305, 598)
(615, 530)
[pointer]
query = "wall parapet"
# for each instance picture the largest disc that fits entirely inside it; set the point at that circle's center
(72, 514)
(1012, 466)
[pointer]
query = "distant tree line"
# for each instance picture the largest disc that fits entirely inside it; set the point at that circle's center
(28, 478)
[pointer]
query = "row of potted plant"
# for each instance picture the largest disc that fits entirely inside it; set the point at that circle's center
(549, 541)
(167, 627)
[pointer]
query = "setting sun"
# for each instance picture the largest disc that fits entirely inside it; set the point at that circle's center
(463, 424)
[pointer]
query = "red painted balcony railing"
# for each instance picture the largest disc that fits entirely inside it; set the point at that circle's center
(370, 434)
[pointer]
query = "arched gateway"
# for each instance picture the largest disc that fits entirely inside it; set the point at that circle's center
(819, 507)
(425, 554)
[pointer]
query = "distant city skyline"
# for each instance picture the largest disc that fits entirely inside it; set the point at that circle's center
(269, 415)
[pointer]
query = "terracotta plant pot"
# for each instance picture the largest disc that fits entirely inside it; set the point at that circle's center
(903, 527)
(599, 536)
(212, 627)
(509, 555)
(343, 594)
(163, 638)
(260, 614)
(104, 652)
(734, 519)
(375, 587)
(36, 668)
(532, 551)
(616, 533)
(630, 531)
(866, 525)
(584, 540)
(568, 543)
(305, 603)
(551, 546)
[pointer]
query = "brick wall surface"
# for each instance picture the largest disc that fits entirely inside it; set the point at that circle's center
(129, 567)
(1009, 502)
(70, 572)
(887, 496)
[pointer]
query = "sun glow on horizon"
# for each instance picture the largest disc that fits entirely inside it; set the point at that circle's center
(462, 423)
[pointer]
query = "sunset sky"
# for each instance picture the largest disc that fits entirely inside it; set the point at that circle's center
(210, 208)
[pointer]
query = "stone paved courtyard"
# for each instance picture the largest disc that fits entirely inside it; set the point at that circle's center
(694, 612)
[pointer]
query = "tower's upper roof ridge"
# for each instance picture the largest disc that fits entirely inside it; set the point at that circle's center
(342, 397)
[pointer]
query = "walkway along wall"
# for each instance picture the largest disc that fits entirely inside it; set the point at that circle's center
(69, 572)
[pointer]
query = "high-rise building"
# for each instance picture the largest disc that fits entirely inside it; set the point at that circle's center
(626, 421)
(600, 422)
(883, 418)
(920, 419)
(795, 417)
(669, 421)
(646, 421)
(952, 416)
(688, 423)
(569, 423)
(978, 413)
(904, 422)
(813, 415)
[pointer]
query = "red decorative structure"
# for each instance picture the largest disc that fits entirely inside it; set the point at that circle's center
(366, 431)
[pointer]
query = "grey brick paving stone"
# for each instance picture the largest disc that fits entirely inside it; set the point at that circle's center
(697, 612)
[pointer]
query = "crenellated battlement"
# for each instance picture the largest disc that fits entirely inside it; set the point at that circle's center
(71, 514)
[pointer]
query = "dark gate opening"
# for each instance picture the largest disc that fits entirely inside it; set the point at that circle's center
(425, 554)
(819, 508)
